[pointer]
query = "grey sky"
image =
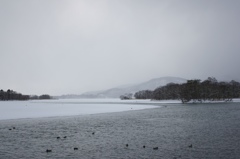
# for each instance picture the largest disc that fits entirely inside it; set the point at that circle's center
(72, 46)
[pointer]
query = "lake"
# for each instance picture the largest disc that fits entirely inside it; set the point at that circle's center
(213, 130)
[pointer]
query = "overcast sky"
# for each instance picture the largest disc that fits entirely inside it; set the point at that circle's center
(73, 46)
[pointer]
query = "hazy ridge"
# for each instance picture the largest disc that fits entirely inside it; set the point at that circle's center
(117, 91)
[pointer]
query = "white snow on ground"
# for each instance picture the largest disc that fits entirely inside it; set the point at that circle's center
(52, 108)
(115, 100)
(69, 107)
(236, 100)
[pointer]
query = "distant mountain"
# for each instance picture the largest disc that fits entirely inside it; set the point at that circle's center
(118, 91)
(157, 82)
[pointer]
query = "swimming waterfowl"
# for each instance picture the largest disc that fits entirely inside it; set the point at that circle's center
(48, 150)
(155, 148)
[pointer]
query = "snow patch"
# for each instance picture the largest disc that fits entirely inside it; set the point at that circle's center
(52, 108)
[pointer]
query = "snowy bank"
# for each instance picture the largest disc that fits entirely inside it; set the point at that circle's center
(53, 108)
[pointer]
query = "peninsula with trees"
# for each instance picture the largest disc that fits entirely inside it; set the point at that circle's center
(13, 95)
(193, 90)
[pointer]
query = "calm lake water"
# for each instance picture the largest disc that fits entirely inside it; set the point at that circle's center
(213, 130)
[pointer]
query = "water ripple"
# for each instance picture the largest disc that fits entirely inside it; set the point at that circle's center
(213, 131)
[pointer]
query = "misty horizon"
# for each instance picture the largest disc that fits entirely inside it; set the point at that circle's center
(72, 47)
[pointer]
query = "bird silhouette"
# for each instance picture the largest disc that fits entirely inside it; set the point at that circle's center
(48, 150)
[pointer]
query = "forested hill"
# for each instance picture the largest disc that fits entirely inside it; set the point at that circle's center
(209, 89)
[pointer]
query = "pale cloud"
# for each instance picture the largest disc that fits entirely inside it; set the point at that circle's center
(74, 46)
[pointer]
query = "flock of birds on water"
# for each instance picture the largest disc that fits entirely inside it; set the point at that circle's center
(76, 148)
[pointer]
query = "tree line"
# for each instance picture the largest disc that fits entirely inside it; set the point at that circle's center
(13, 95)
(195, 90)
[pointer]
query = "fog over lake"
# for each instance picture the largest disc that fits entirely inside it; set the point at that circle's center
(174, 63)
(71, 47)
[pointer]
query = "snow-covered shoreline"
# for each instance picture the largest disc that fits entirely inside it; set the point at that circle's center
(71, 107)
(56, 108)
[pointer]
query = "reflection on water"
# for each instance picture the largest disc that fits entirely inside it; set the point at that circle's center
(213, 130)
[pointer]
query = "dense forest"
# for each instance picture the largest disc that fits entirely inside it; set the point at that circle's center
(12, 95)
(195, 90)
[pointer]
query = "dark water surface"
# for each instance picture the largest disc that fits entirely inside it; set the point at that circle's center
(212, 129)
